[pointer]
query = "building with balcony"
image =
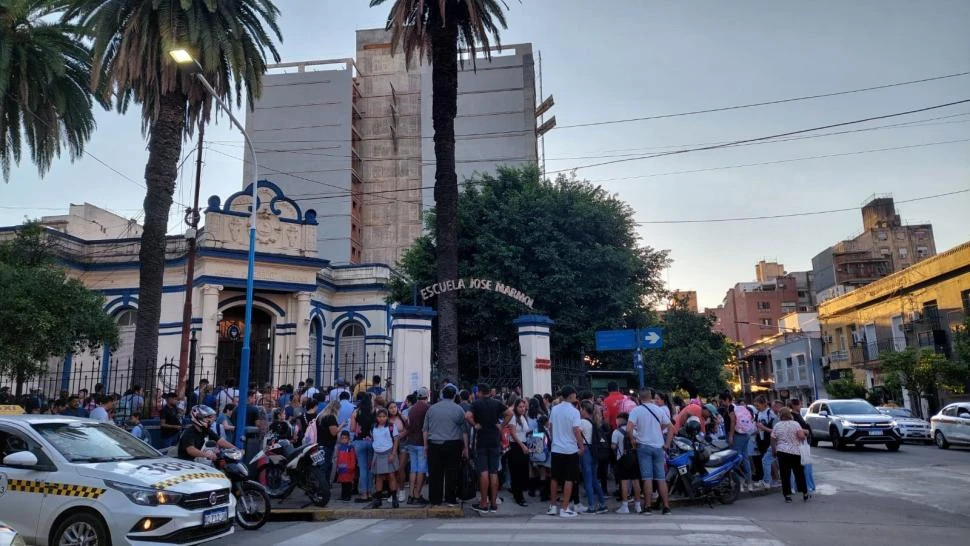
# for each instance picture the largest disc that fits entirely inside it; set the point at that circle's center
(353, 139)
(885, 246)
(919, 306)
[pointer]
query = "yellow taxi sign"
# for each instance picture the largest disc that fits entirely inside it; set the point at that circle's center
(11, 409)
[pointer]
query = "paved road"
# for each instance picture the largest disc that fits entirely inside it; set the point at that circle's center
(864, 496)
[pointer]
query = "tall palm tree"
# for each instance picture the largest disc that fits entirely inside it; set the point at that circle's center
(131, 44)
(438, 29)
(44, 75)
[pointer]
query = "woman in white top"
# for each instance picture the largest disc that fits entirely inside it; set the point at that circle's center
(786, 438)
(518, 456)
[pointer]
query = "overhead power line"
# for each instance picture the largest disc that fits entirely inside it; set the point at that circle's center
(792, 214)
(764, 103)
(762, 138)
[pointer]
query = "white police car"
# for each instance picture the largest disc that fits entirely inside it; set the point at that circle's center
(68, 481)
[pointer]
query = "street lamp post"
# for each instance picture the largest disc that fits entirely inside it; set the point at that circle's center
(183, 57)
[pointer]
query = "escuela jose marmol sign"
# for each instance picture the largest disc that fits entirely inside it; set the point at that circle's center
(429, 292)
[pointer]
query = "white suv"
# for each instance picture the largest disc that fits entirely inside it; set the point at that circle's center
(855, 421)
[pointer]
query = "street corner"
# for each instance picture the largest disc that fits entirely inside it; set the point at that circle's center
(333, 514)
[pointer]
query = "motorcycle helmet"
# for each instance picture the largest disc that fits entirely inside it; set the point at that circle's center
(202, 415)
(692, 427)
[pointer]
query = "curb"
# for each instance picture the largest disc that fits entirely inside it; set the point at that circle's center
(331, 514)
(438, 512)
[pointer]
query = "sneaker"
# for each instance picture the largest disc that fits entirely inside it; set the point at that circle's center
(623, 509)
(552, 511)
(579, 508)
(666, 511)
(602, 509)
(637, 508)
(401, 495)
(590, 510)
(421, 501)
(776, 485)
(493, 508)
(647, 511)
(567, 514)
(410, 500)
(480, 509)
(522, 503)
(744, 488)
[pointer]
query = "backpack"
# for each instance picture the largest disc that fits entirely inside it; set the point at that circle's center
(346, 464)
(598, 448)
(745, 423)
(467, 481)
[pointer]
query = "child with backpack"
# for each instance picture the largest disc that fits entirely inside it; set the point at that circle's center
(346, 466)
(627, 465)
(384, 464)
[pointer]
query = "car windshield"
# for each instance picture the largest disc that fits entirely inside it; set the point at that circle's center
(82, 442)
(853, 407)
(897, 412)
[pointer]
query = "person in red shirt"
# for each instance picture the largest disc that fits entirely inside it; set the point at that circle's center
(692, 409)
(612, 403)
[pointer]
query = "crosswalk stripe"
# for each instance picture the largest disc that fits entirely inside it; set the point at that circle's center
(593, 526)
(612, 516)
(323, 535)
(597, 538)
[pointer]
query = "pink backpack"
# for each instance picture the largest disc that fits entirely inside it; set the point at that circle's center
(744, 422)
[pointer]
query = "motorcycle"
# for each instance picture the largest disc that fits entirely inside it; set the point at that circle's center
(696, 472)
(281, 467)
(252, 502)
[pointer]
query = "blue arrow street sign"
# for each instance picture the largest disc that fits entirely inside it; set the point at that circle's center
(616, 340)
(651, 338)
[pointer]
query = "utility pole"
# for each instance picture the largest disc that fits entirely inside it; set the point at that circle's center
(192, 219)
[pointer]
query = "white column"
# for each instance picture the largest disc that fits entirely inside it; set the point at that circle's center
(209, 335)
(535, 353)
(302, 343)
(411, 349)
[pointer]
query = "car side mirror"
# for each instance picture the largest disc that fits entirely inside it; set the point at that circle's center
(823, 413)
(24, 459)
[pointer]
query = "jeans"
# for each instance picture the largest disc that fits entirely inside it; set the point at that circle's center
(443, 466)
(788, 463)
(809, 478)
(740, 445)
(365, 454)
(591, 482)
(766, 459)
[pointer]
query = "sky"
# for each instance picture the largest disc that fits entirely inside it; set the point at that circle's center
(614, 60)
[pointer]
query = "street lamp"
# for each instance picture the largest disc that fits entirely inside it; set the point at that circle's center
(183, 57)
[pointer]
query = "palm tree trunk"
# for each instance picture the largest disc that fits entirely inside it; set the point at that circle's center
(164, 150)
(444, 108)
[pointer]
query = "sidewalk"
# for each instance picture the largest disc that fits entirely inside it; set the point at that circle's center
(298, 507)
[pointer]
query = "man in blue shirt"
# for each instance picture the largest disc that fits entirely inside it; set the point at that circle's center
(346, 410)
(74, 408)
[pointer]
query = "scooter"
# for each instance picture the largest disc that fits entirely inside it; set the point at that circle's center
(252, 502)
(281, 467)
(694, 471)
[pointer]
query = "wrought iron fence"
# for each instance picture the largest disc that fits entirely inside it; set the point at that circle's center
(58, 379)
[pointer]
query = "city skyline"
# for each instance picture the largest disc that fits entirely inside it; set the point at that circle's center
(692, 57)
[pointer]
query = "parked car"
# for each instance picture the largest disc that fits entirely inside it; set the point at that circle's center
(951, 425)
(845, 422)
(910, 426)
(9, 536)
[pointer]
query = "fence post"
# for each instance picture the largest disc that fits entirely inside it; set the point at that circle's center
(105, 365)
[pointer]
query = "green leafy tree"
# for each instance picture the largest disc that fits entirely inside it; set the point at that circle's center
(43, 313)
(131, 44)
(438, 29)
(693, 356)
(845, 387)
(568, 244)
(45, 71)
(922, 372)
(961, 342)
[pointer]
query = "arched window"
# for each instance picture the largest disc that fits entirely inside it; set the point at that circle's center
(314, 344)
(350, 345)
(126, 336)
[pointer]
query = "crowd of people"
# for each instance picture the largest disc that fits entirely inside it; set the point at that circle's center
(541, 446)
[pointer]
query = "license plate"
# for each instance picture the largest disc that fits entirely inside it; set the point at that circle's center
(875, 433)
(318, 457)
(682, 469)
(215, 517)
